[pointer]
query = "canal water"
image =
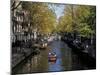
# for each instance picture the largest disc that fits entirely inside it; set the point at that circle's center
(66, 60)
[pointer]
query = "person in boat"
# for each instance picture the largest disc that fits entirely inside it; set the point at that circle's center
(52, 54)
(52, 57)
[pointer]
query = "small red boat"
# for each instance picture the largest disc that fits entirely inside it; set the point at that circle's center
(52, 57)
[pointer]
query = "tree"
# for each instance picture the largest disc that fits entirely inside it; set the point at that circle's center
(76, 19)
(42, 17)
(15, 4)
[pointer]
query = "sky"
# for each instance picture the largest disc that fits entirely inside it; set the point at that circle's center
(59, 11)
(59, 8)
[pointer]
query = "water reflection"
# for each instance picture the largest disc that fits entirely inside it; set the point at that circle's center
(66, 60)
(55, 66)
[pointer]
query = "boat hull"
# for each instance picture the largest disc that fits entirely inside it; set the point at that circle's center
(52, 58)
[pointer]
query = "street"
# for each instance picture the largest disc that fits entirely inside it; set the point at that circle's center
(66, 60)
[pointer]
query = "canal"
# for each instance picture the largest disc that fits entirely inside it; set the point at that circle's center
(67, 60)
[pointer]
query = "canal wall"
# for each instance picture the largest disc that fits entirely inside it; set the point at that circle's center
(85, 57)
(18, 58)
